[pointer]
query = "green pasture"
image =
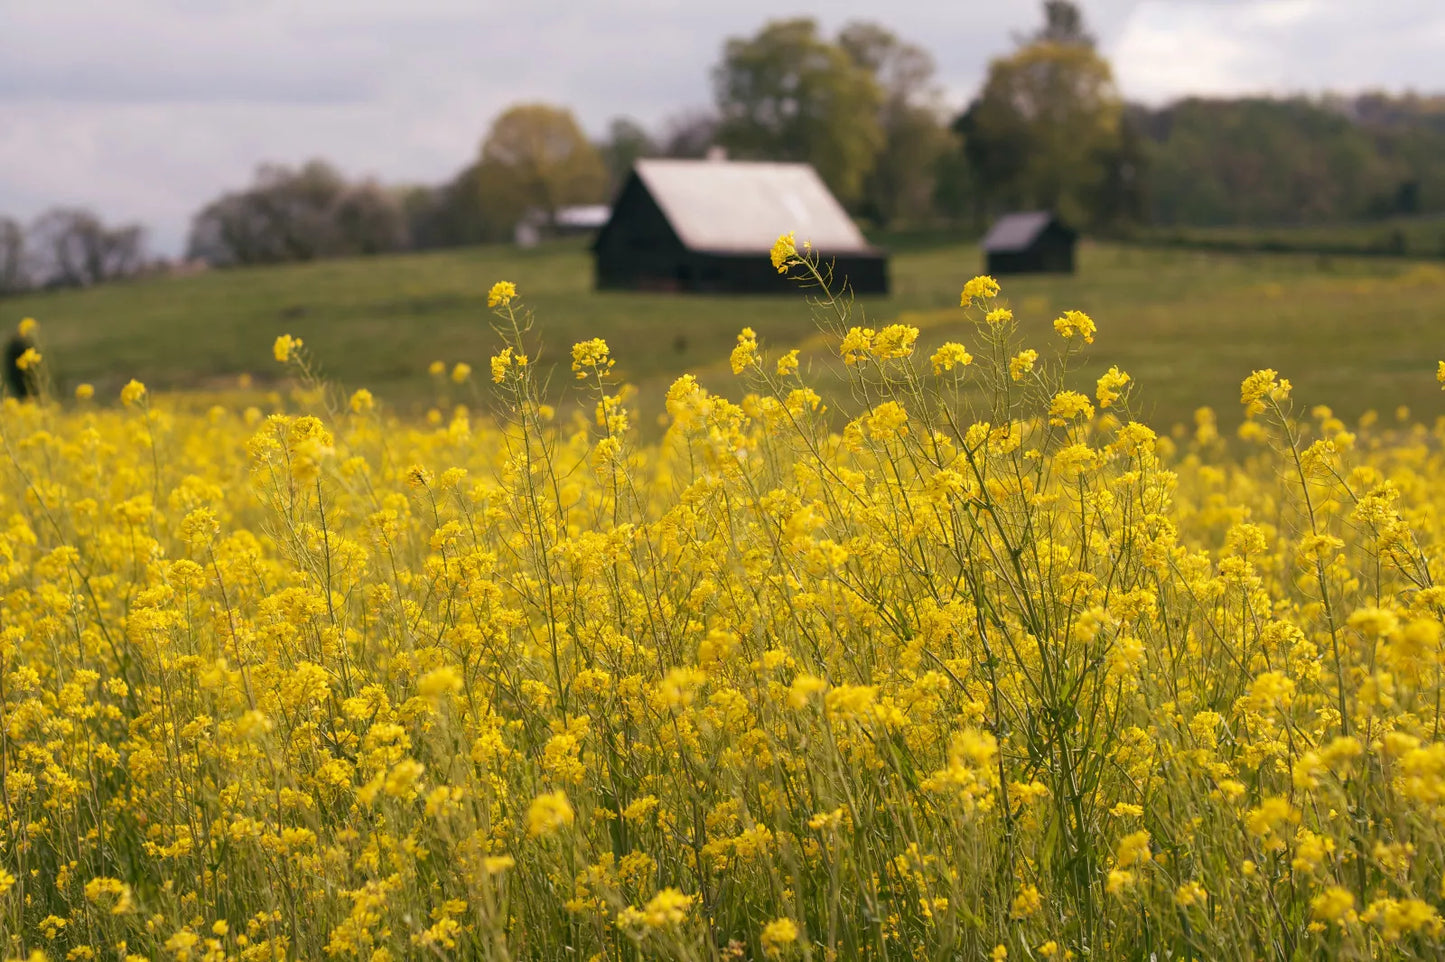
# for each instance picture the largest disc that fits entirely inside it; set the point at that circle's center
(1356, 334)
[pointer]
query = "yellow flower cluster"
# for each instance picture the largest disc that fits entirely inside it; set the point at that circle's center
(1076, 322)
(548, 814)
(925, 666)
(982, 287)
(778, 935)
(284, 347)
(745, 354)
(1111, 386)
(1262, 386)
(591, 358)
(784, 252)
(502, 294)
(891, 343)
(949, 356)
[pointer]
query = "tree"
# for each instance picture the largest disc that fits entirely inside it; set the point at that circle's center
(955, 190)
(1046, 127)
(626, 142)
(690, 134)
(284, 216)
(535, 157)
(230, 231)
(1121, 198)
(298, 215)
(789, 94)
(73, 248)
(369, 219)
(1267, 162)
(14, 273)
(1063, 24)
(425, 208)
(900, 188)
(447, 215)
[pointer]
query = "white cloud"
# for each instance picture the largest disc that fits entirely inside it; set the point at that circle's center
(1171, 48)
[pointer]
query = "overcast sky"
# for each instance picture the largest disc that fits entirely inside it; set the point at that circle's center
(146, 109)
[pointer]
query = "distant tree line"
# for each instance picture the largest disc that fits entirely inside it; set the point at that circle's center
(1047, 129)
(68, 247)
(299, 214)
(1296, 161)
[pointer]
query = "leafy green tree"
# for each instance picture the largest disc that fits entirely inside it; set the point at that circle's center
(689, 134)
(1046, 128)
(900, 187)
(535, 157)
(1063, 24)
(626, 141)
(790, 94)
(1121, 198)
(955, 190)
(1258, 161)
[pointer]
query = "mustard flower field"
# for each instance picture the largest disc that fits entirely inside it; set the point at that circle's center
(959, 663)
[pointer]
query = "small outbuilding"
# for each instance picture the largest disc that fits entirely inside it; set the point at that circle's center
(536, 226)
(1029, 242)
(708, 226)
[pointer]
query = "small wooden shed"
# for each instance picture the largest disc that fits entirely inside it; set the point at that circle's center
(1029, 242)
(571, 221)
(708, 226)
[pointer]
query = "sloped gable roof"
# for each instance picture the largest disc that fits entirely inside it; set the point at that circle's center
(741, 207)
(1016, 232)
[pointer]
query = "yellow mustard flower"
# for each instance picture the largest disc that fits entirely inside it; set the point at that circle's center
(784, 252)
(548, 814)
(501, 294)
(1110, 387)
(1022, 363)
(950, 356)
(1076, 322)
(745, 354)
(981, 287)
(284, 347)
(777, 935)
(590, 357)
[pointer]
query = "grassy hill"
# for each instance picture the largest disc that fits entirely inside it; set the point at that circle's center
(1356, 334)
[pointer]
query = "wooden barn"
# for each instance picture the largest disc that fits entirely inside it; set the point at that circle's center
(708, 226)
(1029, 242)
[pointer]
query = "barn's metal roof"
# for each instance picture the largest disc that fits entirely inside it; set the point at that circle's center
(1015, 232)
(742, 207)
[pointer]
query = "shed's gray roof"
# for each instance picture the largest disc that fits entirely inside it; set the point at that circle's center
(583, 215)
(580, 216)
(742, 207)
(1015, 232)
